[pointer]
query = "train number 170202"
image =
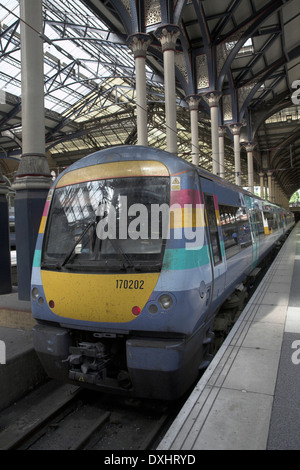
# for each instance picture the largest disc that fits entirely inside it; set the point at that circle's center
(129, 284)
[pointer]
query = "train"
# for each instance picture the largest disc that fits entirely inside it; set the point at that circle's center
(136, 253)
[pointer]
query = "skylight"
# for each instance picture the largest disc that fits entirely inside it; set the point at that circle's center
(76, 54)
(246, 49)
(10, 78)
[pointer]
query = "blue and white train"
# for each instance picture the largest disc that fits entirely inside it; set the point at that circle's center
(136, 252)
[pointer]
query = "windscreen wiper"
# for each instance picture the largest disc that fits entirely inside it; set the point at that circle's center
(124, 258)
(70, 253)
(102, 212)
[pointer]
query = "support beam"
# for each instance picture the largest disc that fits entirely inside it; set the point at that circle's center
(139, 44)
(193, 101)
(212, 98)
(250, 146)
(273, 188)
(235, 129)
(269, 174)
(5, 265)
(261, 183)
(222, 130)
(168, 35)
(33, 177)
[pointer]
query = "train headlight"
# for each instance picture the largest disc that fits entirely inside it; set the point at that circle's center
(165, 301)
(35, 293)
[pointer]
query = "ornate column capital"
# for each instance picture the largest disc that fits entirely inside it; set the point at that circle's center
(168, 34)
(249, 146)
(139, 44)
(212, 98)
(222, 131)
(193, 101)
(235, 128)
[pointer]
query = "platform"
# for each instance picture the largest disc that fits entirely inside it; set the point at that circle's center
(248, 398)
(20, 368)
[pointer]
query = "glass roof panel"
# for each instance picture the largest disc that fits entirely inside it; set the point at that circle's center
(9, 9)
(76, 58)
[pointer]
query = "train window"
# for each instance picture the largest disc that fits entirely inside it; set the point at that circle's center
(107, 225)
(279, 218)
(270, 221)
(213, 228)
(235, 229)
(258, 222)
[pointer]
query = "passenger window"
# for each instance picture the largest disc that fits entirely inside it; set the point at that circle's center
(235, 229)
(271, 220)
(259, 223)
(213, 228)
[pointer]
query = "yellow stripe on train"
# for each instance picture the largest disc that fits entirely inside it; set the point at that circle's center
(42, 224)
(186, 217)
(97, 297)
(114, 170)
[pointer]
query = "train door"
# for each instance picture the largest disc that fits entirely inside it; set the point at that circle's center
(213, 234)
(254, 230)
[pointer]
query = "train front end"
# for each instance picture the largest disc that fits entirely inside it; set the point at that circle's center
(108, 314)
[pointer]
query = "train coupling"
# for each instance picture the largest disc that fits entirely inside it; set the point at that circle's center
(88, 362)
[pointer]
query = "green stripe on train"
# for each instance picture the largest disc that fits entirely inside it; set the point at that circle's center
(180, 258)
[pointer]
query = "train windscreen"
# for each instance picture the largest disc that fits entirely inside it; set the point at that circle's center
(104, 225)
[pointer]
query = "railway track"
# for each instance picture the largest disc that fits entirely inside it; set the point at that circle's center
(64, 417)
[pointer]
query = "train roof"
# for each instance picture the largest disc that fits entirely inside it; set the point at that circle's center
(137, 152)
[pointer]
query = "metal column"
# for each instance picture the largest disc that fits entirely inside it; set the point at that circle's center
(168, 35)
(139, 43)
(222, 130)
(249, 146)
(5, 264)
(33, 177)
(235, 129)
(212, 98)
(193, 101)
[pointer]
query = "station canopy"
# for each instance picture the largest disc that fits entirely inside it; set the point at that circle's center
(89, 79)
